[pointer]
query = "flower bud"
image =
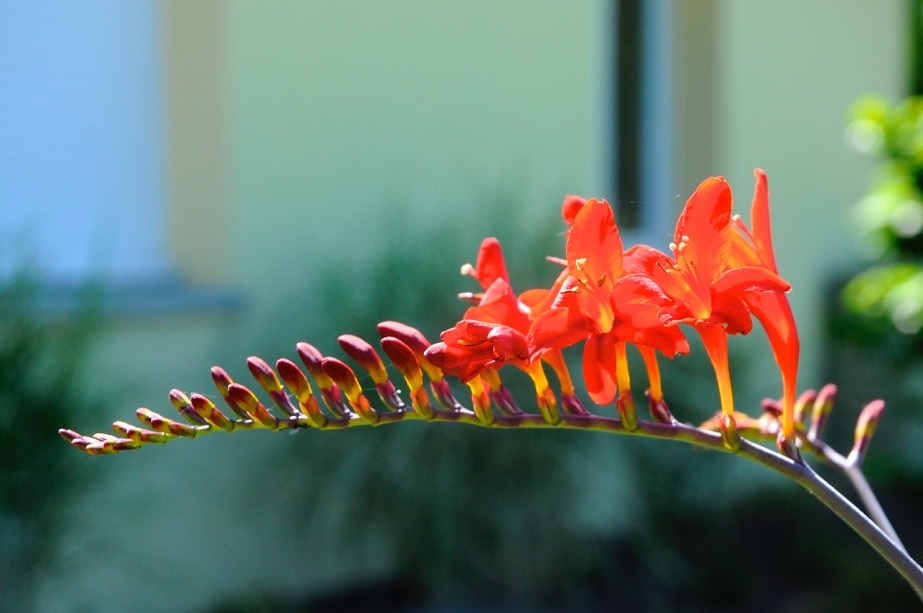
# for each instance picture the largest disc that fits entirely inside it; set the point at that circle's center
(207, 409)
(346, 380)
(865, 428)
(823, 404)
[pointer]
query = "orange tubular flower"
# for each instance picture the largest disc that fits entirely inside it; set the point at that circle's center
(603, 303)
(754, 248)
(499, 304)
(713, 290)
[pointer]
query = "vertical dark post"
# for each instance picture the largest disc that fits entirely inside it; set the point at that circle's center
(628, 136)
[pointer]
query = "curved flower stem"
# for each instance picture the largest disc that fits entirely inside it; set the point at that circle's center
(853, 471)
(888, 548)
(880, 536)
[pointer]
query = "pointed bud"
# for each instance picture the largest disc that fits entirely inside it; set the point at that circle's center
(313, 360)
(367, 358)
(158, 422)
(729, 433)
(414, 339)
(103, 443)
(140, 435)
(823, 404)
(572, 405)
(185, 408)
(346, 380)
(772, 406)
(223, 382)
(406, 362)
(805, 400)
(364, 355)
(75, 438)
(268, 380)
(298, 383)
(865, 428)
(659, 410)
(207, 409)
(246, 401)
(443, 393)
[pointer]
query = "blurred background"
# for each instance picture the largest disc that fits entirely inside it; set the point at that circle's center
(184, 184)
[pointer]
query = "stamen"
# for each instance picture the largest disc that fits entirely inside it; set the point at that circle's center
(579, 263)
(601, 280)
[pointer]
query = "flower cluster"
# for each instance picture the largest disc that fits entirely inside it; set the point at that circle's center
(718, 275)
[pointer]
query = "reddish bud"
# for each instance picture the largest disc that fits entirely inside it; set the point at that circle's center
(298, 383)
(805, 400)
(244, 399)
(823, 404)
(264, 375)
(207, 409)
(404, 360)
(659, 410)
(865, 428)
(364, 355)
(185, 408)
(414, 339)
(161, 424)
(346, 380)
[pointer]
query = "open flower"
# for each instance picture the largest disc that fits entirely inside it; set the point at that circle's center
(603, 303)
(754, 248)
(711, 284)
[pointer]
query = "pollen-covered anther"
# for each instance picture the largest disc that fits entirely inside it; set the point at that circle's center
(580, 264)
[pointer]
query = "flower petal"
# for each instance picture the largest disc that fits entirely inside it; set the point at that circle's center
(702, 238)
(594, 248)
(747, 279)
(599, 368)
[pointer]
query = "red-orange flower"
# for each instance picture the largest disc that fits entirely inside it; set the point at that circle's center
(606, 305)
(712, 290)
(754, 248)
(474, 346)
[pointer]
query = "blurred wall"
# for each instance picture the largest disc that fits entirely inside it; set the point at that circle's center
(294, 125)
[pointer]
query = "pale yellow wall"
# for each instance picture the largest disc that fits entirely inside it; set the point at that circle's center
(787, 72)
(341, 109)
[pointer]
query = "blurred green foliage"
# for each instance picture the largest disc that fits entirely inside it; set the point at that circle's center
(890, 221)
(41, 387)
